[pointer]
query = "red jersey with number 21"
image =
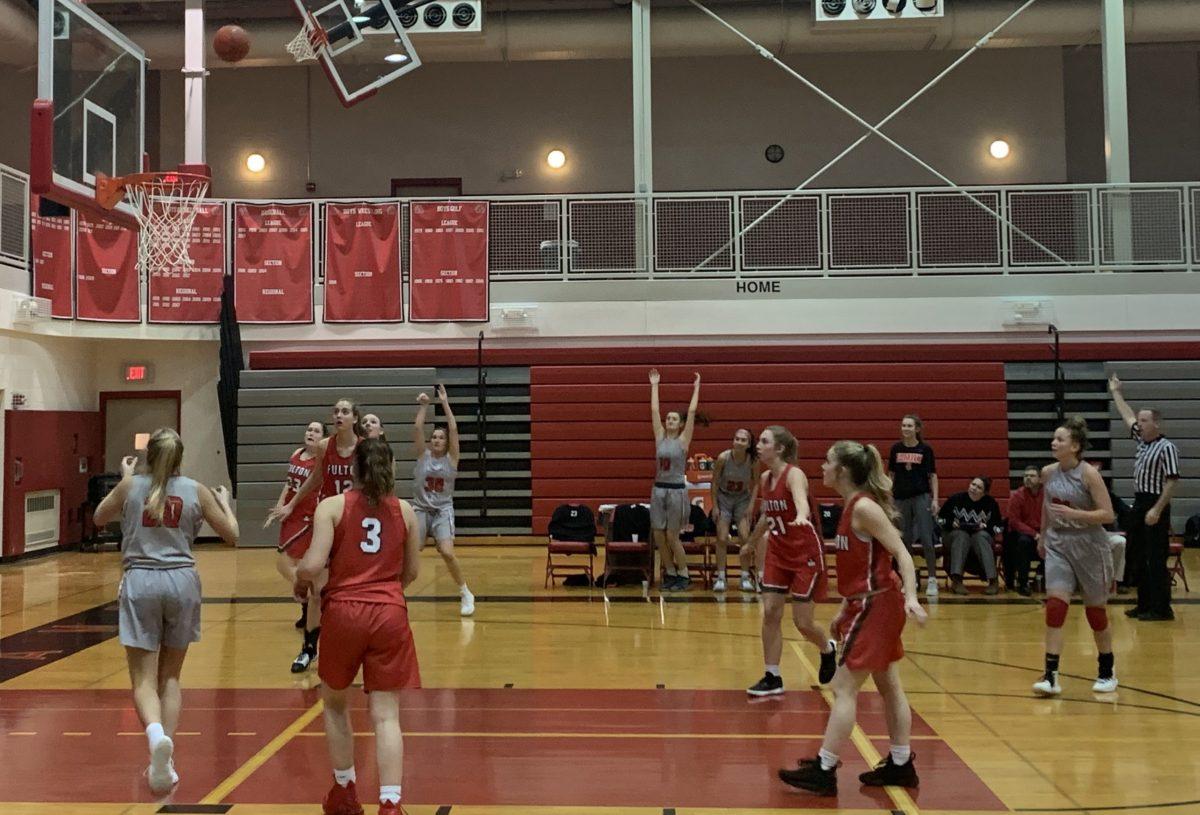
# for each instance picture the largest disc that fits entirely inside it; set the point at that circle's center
(792, 542)
(368, 552)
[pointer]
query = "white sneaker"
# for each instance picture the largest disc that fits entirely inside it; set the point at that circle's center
(1046, 687)
(747, 583)
(160, 774)
(174, 775)
(468, 602)
(719, 584)
(931, 587)
(1106, 685)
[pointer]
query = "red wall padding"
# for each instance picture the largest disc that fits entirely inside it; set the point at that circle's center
(50, 445)
(592, 442)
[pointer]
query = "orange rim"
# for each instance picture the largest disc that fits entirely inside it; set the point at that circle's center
(110, 190)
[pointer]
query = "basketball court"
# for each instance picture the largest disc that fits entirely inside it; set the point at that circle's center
(247, 307)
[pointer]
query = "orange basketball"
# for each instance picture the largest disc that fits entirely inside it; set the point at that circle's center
(232, 43)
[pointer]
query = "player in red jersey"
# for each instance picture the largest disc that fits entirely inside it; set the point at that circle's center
(870, 621)
(295, 533)
(371, 540)
(332, 476)
(795, 563)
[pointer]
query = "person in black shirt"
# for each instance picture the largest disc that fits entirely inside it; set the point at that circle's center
(972, 520)
(913, 472)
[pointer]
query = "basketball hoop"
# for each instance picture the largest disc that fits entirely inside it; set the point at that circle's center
(165, 205)
(311, 41)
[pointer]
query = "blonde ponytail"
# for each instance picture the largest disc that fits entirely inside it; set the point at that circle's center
(373, 466)
(865, 468)
(164, 454)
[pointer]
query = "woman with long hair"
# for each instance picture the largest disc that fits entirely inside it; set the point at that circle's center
(1074, 544)
(913, 471)
(161, 514)
(795, 561)
(735, 475)
(433, 490)
(332, 477)
(369, 540)
(875, 604)
(669, 505)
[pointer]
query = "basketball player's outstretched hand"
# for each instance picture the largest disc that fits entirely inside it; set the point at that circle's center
(128, 465)
(914, 609)
(697, 379)
(277, 514)
(1114, 383)
(799, 521)
(441, 393)
(423, 399)
(654, 376)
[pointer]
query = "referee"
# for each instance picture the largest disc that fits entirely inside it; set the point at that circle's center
(1155, 474)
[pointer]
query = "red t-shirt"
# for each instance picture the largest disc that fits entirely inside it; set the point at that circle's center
(863, 566)
(1025, 511)
(337, 471)
(367, 557)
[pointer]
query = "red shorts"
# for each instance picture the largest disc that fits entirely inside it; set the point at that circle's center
(870, 631)
(373, 636)
(802, 577)
(295, 534)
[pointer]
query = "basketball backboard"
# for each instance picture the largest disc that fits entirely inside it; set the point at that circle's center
(88, 119)
(367, 47)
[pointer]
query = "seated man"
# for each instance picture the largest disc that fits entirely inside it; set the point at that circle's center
(1024, 531)
(971, 520)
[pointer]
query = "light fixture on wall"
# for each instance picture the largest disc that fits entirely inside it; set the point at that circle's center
(396, 58)
(557, 159)
(255, 163)
(999, 149)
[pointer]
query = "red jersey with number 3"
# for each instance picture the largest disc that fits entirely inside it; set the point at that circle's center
(338, 470)
(863, 566)
(793, 543)
(299, 470)
(368, 552)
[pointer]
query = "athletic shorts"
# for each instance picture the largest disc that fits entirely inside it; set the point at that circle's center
(435, 523)
(295, 534)
(916, 519)
(1088, 569)
(373, 636)
(732, 508)
(669, 508)
(796, 573)
(159, 608)
(869, 631)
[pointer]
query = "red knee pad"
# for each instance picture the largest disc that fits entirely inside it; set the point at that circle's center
(1056, 612)
(1097, 617)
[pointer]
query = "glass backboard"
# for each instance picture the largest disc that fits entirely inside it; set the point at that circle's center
(89, 117)
(368, 47)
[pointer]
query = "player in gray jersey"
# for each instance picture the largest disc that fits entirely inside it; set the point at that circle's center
(1076, 505)
(159, 597)
(669, 505)
(735, 480)
(433, 489)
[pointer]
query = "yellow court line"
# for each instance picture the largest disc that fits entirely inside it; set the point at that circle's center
(22, 733)
(258, 759)
(900, 797)
(77, 732)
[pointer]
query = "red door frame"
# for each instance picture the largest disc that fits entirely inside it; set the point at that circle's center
(105, 396)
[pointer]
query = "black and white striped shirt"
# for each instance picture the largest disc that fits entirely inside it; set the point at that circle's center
(1155, 462)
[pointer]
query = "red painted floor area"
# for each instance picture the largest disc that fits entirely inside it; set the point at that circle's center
(472, 747)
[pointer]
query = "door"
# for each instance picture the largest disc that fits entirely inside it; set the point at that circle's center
(129, 422)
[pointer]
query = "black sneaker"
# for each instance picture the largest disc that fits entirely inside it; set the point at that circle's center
(809, 776)
(888, 773)
(769, 685)
(1156, 616)
(302, 623)
(828, 665)
(303, 660)
(1133, 612)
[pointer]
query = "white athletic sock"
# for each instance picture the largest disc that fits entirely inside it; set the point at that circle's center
(463, 590)
(344, 778)
(670, 570)
(901, 753)
(773, 670)
(828, 760)
(389, 794)
(154, 733)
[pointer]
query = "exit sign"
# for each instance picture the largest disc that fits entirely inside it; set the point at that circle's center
(137, 372)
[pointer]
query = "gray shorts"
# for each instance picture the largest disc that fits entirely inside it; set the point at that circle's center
(159, 608)
(435, 523)
(732, 508)
(1086, 568)
(916, 519)
(669, 508)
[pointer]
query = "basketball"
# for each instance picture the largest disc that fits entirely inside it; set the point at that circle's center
(232, 43)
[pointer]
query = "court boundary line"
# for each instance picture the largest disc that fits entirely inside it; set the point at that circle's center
(265, 753)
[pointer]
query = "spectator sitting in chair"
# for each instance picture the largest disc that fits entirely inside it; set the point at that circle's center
(971, 520)
(1024, 531)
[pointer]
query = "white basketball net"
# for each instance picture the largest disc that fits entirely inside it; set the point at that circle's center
(301, 47)
(166, 208)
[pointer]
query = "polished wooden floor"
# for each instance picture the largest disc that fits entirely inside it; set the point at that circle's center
(574, 701)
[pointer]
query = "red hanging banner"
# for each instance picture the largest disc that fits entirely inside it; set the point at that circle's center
(193, 296)
(448, 281)
(362, 264)
(50, 247)
(272, 263)
(106, 276)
